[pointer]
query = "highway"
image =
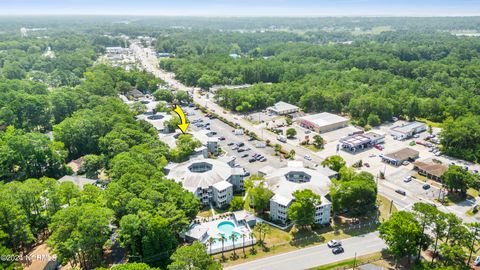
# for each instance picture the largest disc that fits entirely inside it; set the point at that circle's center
(314, 256)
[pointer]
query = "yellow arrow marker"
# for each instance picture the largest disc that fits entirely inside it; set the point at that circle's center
(183, 120)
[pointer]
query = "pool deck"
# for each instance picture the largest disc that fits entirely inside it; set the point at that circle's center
(213, 231)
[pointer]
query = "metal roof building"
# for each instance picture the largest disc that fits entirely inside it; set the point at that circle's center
(322, 122)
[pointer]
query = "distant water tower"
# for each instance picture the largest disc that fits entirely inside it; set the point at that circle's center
(23, 31)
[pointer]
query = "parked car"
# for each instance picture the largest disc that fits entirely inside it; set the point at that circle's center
(379, 147)
(252, 160)
(244, 155)
(230, 143)
(251, 139)
(426, 186)
(477, 261)
(367, 164)
(401, 192)
(307, 157)
(337, 250)
(263, 159)
(334, 243)
(406, 163)
(407, 179)
(239, 150)
(221, 138)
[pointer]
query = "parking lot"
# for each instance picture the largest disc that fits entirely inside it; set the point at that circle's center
(226, 131)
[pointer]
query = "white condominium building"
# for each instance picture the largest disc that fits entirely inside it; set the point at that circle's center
(285, 181)
(211, 180)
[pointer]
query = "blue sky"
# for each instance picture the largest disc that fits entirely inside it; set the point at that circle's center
(245, 7)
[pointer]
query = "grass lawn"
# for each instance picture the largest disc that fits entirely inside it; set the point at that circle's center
(430, 123)
(350, 262)
(384, 207)
(205, 213)
(312, 147)
(472, 192)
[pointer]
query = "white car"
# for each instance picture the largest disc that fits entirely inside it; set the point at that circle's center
(372, 155)
(477, 261)
(334, 243)
(407, 179)
(307, 157)
(406, 163)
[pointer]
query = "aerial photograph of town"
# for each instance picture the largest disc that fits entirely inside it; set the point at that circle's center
(239, 134)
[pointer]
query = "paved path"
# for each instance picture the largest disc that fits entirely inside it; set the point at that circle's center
(315, 256)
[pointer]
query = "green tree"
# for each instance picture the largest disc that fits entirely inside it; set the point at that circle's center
(236, 204)
(318, 141)
(130, 266)
(373, 120)
(193, 257)
(278, 148)
(291, 133)
(457, 179)
(186, 144)
(92, 165)
(182, 97)
(356, 194)
(452, 255)
(262, 229)
(303, 208)
(164, 95)
(259, 196)
(79, 234)
(402, 233)
(334, 162)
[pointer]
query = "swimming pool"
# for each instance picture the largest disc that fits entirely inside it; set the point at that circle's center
(219, 229)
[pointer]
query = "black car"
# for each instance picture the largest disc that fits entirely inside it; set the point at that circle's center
(240, 150)
(240, 144)
(230, 144)
(252, 160)
(221, 138)
(401, 192)
(245, 155)
(426, 186)
(337, 250)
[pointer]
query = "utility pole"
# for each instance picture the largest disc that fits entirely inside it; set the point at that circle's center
(391, 205)
(355, 261)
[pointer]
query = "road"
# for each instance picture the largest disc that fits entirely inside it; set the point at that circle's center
(314, 256)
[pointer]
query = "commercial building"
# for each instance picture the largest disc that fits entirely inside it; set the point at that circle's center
(407, 130)
(283, 108)
(398, 157)
(430, 170)
(322, 122)
(285, 181)
(358, 142)
(210, 180)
